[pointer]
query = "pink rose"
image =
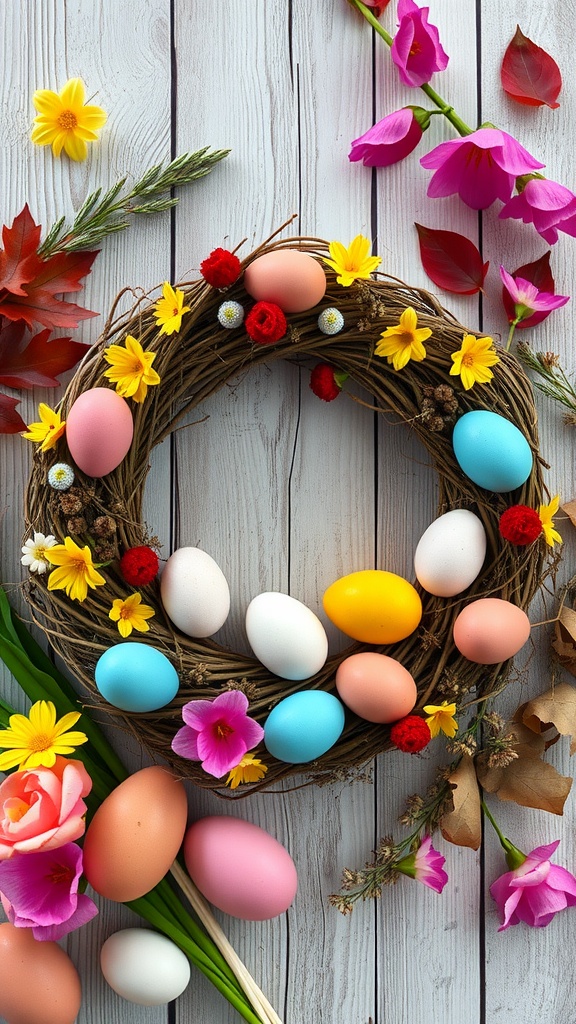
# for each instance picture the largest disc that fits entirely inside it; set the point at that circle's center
(42, 808)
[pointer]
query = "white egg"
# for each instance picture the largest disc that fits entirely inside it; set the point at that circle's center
(286, 636)
(194, 592)
(450, 553)
(144, 966)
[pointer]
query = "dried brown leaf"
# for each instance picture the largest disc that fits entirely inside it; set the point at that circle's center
(528, 780)
(463, 824)
(554, 709)
(569, 508)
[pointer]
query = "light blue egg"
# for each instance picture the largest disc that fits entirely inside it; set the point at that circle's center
(303, 726)
(491, 451)
(136, 677)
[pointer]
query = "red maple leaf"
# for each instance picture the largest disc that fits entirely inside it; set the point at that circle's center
(11, 421)
(38, 363)
(29, 284)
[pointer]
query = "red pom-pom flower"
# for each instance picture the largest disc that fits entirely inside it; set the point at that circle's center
(325, 382)
(265, 323)
(410, 734)
(221, 268)
(520, 524)
(139, 566)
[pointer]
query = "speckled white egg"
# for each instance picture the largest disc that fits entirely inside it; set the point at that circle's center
(286, 636)
(194, 592)
(450, 554)
(144, 967)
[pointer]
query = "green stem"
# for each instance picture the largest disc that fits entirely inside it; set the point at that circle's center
(511, 332)
(444, 108)
(514, 856)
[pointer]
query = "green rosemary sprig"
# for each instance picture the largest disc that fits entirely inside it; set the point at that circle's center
(553, 381)
(102, 215)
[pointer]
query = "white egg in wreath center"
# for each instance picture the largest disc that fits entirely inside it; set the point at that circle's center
(286, 636)
(450, 553)
(194, 592)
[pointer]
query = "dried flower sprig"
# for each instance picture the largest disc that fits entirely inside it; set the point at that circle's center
(553, 381)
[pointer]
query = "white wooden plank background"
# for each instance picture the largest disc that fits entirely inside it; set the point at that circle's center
(286, 87)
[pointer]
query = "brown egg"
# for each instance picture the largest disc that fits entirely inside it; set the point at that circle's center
(135, 834)
(292, 279)
(38, 981)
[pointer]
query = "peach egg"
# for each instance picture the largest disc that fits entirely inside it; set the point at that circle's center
(38, 981)
(491, 630)
(376, 687)
(292, 279)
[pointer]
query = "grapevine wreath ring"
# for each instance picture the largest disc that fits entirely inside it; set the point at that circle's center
(193, 364)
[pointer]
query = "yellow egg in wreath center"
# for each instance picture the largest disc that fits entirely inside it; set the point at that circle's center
(373, 606)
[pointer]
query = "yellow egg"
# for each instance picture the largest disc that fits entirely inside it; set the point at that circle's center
(373, 606)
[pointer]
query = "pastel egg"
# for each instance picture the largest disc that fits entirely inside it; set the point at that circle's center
(292, 279)
(99, 431)
(491, 451)
(38, 981)
(303, 726)
(490, 630)
(286, 636)
(135, 677)
(376, 687)
(135, 834)
(450, 554)
(240, 868)
(194, 592)
(374, 606)
(144, 967)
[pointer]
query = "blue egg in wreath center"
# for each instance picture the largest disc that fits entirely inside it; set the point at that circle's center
(491, 451)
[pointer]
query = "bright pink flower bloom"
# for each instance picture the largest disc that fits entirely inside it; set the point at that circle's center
(416, 48)
(527, 299)
(40, 891)
(550, 207)
(42, 808)
(393, 138)
(480, 167)
(217, 732)
(426, 865)
(535, 891)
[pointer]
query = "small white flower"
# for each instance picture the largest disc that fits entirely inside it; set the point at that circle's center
(330, 321)
(34, 552)
(61, 476)
(230, 315)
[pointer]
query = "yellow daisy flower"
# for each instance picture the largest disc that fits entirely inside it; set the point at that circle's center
(546, 514)
(473, 360)
(250, 769)
(36, 740)
(130, 614)
(64, 121)
(48, 430)
(353, 262)
(441, 718)
(76, 572)
(170, 309)
(403, 342)
(131, 369)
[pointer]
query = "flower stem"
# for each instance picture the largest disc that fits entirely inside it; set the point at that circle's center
(444, 108)
(514, 856)
(511, 332)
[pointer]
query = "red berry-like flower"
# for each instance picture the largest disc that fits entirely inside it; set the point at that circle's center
(265, 323)
(221, 268)
(520, 525)
(139, 566)
(323, 382)
(410, 734)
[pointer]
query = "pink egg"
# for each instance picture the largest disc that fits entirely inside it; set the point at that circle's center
(491, 630)
(240, 868)
(376, 687)
(99, 431)
(292, 279)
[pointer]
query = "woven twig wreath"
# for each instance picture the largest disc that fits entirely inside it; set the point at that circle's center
(194, 364)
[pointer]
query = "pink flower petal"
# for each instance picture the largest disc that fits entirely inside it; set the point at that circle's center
(185, 743)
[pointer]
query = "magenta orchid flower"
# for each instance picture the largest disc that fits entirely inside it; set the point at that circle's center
(217, 732)
(40, 891)
(535, 890)
(480, 167)
(550, 207)
(426, 865)
(527, 299)
(416, 48)
(393, 138)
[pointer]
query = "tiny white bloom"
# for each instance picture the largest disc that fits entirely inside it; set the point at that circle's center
(34, 552)
(230, 315)
(61, 476)
(331, 321)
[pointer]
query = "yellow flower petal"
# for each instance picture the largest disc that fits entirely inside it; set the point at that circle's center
(64, 121)
(131, 369)
(403, 341)
(472, 361)
(37, 739)
(352, 263)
